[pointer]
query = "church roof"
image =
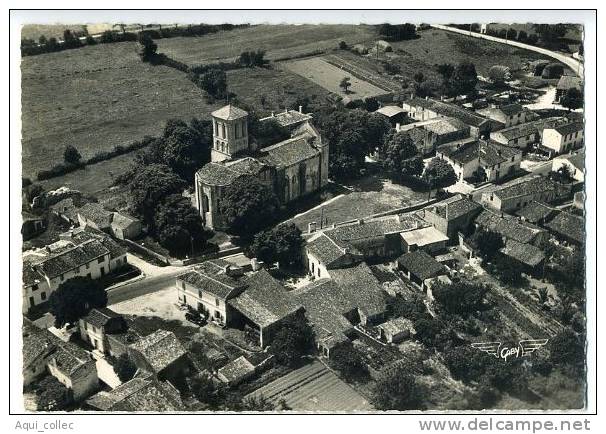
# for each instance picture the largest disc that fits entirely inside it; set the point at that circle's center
(229, 112)
(289, 152)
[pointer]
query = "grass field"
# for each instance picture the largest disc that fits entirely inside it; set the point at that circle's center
(95, 98)
(279, 41)
(329, 76)
(373, 195)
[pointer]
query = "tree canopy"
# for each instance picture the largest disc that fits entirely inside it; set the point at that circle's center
(397, 32)
(281, 244)
(439, 174)
(74, 299)
(400, 157)
(248, 205)
(572, 99)
(462, 297)
(294, 339)
(487, 242)
(397, 389)
(125, 368)
(71, 155)
(348, 361)
(146, 47)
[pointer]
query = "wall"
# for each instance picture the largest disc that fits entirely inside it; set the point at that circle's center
(319, 269)
(92, 334)
(193, 296)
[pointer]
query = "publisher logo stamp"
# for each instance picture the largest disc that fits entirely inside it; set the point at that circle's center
(501, 351)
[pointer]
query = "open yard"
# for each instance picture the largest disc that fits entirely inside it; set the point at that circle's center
(314, 388)
(95, 98)
(279, 42)
(371, 195)
(329, 76)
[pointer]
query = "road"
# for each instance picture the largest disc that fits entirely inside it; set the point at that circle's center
(572, 63)
(156, 279)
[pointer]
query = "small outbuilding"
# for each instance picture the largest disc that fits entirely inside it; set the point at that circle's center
(396, 330)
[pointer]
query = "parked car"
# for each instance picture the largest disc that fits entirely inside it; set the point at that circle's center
(196, 318)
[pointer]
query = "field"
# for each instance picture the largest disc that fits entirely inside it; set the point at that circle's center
(279, 42)
(314, 388)
(373, 195)
(329, 76)
(95, 98)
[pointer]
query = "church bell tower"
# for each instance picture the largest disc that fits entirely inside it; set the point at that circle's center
(230, 132)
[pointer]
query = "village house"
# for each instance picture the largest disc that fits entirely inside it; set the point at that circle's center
(562, 138)
(428, 239)
(236, 371)
(568, 227)
(423, 109)
(481, 160)
(519, 136)
(119, 225)
(31, 225)
(537, 213)
(510, 228)
(370, 240)
(575, 164)
(78, 253)
(292, 168)
(142, 393)
(162, 354)
(566, 83)
(529, 258)
(68, 208)
(509, 115)
(69, 364)
(452, 215)
(396, 330)
(420, 268)
(396, 115)
(427, 135)
(520, 192)
(98, 324)
(335, 306)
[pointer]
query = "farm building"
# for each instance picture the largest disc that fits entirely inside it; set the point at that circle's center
(510, 228)
(568, 227)
(236, 371)
(420, 268)
(537, 213)
(562, 138)
(529, 257)
(427, 135)
(396, 330)
(508, 115)
(452, 215)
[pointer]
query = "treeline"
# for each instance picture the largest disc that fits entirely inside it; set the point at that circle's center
(30, 47)
(73, 164)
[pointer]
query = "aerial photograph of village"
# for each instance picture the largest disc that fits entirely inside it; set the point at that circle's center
(303, 218)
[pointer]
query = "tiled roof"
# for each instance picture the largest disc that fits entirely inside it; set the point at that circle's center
(511, 109)
(138, 394)
(421, 264)
(530, 185)
(30, 275)
(569, 226)
(72, 258)
(446, 126)
(520, 130)
(160, 349)
(100, 316)
(36, 343)
(264, 301)
(289, 118)
(450, 110)
(229, 112)
(397, 325)
(572, 127)
(568, 81)
(390, 110)
(326, 250)
(96, 213)
(82, 235)
(68, 207)
(326, 301)
(236, 370)
(523, 252)
(289, 152)
(123, 221)
(455, 207)
(224, 173)
(508, 227)
(536, 212)
(212, 277)
(489, 153)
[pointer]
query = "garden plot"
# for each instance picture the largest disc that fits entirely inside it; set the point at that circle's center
(319, 71)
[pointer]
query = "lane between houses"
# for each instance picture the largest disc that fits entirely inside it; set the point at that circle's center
(571, 62)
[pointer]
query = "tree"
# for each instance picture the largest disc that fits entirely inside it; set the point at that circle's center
(70, 40)
(487, 242)
(281, 244)
(267, 132)
(247, 205)
(149, 185)
(397, 389)
(499, 74)
(508, 270)
(294, 339)
(439, 174)
(51, 394)
(342, 45)
(550, 33)
(178, 225)
(397, 32)
(400, 157)
(257, 403)
(146, 47)
(212, 80)
(572, 99)
(74, 299)
(348, 361)
(522, 36)
(125, 368)
(461, 298)
(567, 349)
(371, 104)
(465, 79)
(71, 155)
(345, 84)
(205, 390)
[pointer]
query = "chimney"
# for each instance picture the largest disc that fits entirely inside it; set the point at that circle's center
(311, 227)
(447, 211)
(285, 110)
(441, 97)
(255, 264)
(301, 109)
(412, 95)
(398, 126)
(272, 114)
(426, 98)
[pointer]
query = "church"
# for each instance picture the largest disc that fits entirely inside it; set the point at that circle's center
(292, 168)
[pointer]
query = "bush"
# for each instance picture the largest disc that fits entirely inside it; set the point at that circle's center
(125, 368)
(58, 170)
